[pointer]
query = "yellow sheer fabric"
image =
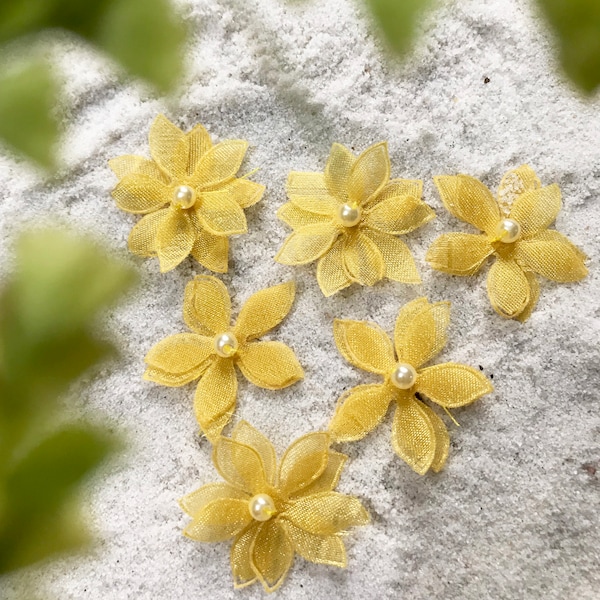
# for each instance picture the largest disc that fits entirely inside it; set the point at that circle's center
(308, 517)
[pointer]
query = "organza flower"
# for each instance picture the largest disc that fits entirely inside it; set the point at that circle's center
(216, 347)
(189, 194)
(348, 218)
(515, 230)
(271, 513)
(419, 436)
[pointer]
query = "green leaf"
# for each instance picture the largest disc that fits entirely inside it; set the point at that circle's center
(577, 25)
(397, 20)
(28, 97)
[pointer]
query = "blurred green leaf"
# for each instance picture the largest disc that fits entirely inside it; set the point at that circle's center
(577, 24)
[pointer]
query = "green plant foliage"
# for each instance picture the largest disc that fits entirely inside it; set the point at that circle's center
(47, 340)
(577, 25)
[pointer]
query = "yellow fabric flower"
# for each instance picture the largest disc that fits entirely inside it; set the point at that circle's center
(189, 194)
(348, 218)
(419, 436)
(515, 230)
(215, 347)
(273, 513)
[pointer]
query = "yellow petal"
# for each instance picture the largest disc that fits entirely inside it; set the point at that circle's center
(264, 310)
(303, 462)
(363, 260)
(269, 365)
(442, 440)
(240, 465)
(174, 239)
(331, 275)
(398, 261)
(359, 411)
(220, 163)
(306, 184)
(295, 217)
(469, 200)
(214, 401)
(178, 359)
(242, 191)
(326, 513)
(369, 173)
(321, 549)
(206, 306)
(219, 520)
(553, 256)
(271, 554)
(459, 253)
(508, 288)
(364, 345)
(307, 244)
(516, 182)
(328, 480)
(199, 144)
(534, 295)
(136, 165)
(420, 331)
(220, 214)
(241, 565)
(337, 171)
(244, 433)
(142, 238)
(537, 209)
(396, 188)
(326, 206)
(452, 385)
(194, 502)
(211, 251)
(169, 147)
(398, 215)
(140, 194)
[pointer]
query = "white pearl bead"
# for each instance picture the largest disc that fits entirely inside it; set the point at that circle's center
(509, 231)
(226, 345)
(184, 196)
(404, 376)
(349, 215)
(261, 507)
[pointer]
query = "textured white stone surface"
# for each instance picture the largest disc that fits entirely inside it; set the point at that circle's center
(516, 512)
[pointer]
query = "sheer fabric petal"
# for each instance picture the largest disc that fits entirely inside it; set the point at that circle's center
(194, 502)
(295, 217)
(459, 253)
(396, 188)
(307, 244)
(534, 295)
(219, 520)
(363, 261)
(141, 194)
(174, 240)
(218, 212)
(207, 306)
(398, 215)
(337, 171)
(219, 164)
(328, 479)
(240, 465)
(319, 205)
(241, 563)
(537, 209)
(272, 555)
(169, 147)
(198, 144)
(508, 288)
(211, 251)
(399, 264)
(244, 433)
(142, 238)
(516, 182)
(321, 549)
(442, 440)
(331, 275)
(136, 165)
(306, 184)
(369, 173)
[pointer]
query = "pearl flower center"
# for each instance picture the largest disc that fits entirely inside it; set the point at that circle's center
(184, 196)
(226, 345)
(508, 231)
(403, 376)
(349, 214)
(261, 507)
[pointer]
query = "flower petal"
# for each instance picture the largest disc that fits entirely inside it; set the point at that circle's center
(398, 215)
(452, 385)
(398, 261)
(241, 565)
(142, 238)
(295, 217)
(264, 310)
(321, 549)
(307, 244)
(220, 214)
(369, 174)
(442, 440)
(364, 345)
(220, 163)
(199, 144)
(242, 191)
(169, 147)
(240, 465)
(459, 253)
(363, 260)
(469, 200)
(206, 306)
(516, 182)
(306, 184)
(211, 251)
(325, 206)
(178, 359)
(508, 288)
(244, 433)
(269, 365)
(303, 462)
(328, 480)
(272, 555)
(359, 411)
(141, 194)
(337, 171)
(394, 189)
(194, 502)
(219, 520)
(537, 209)
(331, 275)
(327, 513)
(136, 165)
(553, 256)
(420, 331)
(214, 401)
(534, 295)
(174, 239)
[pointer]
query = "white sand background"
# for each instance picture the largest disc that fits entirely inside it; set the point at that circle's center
(516, 512)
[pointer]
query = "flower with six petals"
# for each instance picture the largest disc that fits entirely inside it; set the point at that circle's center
(189, 194)
(348, 218)
(419, 436)
(271, 513)
(515, 230)
(215, 347)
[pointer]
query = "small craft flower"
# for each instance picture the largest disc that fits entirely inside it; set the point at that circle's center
(515, 231)
(348, 218)
(189, 193)
(271, 514)
(419, 436)
(215, 347)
